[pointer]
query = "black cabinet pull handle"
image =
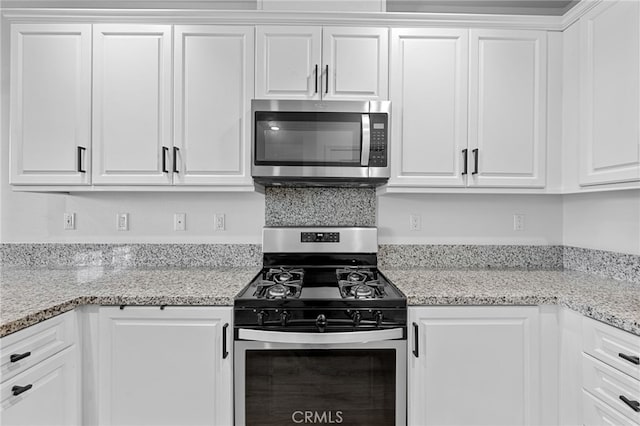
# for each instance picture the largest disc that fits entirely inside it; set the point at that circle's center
(464, 155)
(80, 152)
(475, 161)
(164, 159)
(17, 390)
(631, 358)
(635, 405)
(326, 87)
(225, 353)
(175, 159)
(316, 78)
(18, 357)
(415, 340)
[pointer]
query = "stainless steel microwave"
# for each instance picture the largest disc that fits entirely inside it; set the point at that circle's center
(320, 142)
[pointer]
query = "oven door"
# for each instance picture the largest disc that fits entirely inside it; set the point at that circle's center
(356, 378)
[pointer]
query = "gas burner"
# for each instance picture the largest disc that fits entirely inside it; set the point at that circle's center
(270, 290)
(283, 275)
(361, 290)
(355, 275)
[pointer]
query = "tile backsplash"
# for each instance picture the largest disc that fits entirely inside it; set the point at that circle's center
(320, 206)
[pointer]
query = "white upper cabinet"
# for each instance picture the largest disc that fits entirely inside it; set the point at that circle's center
(507, 108)
(213, 83)
(469, 108)
(356, 63)
(322, 63)
(50, 104)
(289, 62)
(610, 93)
(131, 104)
(429, 101)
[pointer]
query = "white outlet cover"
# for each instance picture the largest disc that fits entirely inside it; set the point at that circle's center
(122, 221)
(69, 221)
(179, 221)
(218, 222)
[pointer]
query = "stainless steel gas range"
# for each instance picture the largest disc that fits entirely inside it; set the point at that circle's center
(320, 333)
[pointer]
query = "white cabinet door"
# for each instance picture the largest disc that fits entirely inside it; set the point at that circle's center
(213, 90)
(288, 62)
(48, 393)
(167, 366)
(429, 69)
(356, 63)
(322, 63)
(474, 365)
(50, 104)
(131, 104)
(610, 93)
(507, 101)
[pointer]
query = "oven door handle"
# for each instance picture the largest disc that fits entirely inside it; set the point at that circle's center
(320, 338)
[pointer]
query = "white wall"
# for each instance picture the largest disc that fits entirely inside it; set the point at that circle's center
(38, 217)
(603, 220)
(470, 219)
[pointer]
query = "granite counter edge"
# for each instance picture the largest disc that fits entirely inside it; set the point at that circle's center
(13, 326)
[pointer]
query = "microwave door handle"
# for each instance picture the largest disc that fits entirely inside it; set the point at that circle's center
(320, 338)
(366, 140)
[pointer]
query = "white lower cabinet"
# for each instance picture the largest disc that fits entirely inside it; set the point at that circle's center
(168, 366)
(610, 375)
(41, 374)
(46, 394)
(474, 365)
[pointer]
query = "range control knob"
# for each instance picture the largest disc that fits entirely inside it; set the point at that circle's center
(262, 315)
(284, 317)
(356, 316)
(379, 317)
(321, 322)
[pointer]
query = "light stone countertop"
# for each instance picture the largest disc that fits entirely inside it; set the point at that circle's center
(29, 296)
(616, 303)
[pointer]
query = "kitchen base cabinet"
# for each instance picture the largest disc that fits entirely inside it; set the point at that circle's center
(474, 365)
(46, 394)
(168, 366)
(610, 375)
(40, 374)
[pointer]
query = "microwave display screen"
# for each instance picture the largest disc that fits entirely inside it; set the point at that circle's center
(308, 138)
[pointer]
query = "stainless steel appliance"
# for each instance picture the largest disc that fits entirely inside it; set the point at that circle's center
(320, 333)
(320, 142)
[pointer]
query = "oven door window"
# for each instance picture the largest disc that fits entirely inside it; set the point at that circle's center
(308, 139)
(348, 386)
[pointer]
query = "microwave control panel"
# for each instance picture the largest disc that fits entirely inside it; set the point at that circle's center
(379, 145)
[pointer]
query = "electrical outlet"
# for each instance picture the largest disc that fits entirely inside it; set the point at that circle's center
(415, 222)
(179, 221)
(69, 221)
(218, 222)
(122, 221)
(518, 222)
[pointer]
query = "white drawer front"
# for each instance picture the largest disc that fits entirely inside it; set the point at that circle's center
(597, 413)
(36, 343)
(611, 385)
(51, 393)
(611, 345)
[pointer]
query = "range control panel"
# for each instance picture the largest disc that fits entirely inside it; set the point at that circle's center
(320, 237)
